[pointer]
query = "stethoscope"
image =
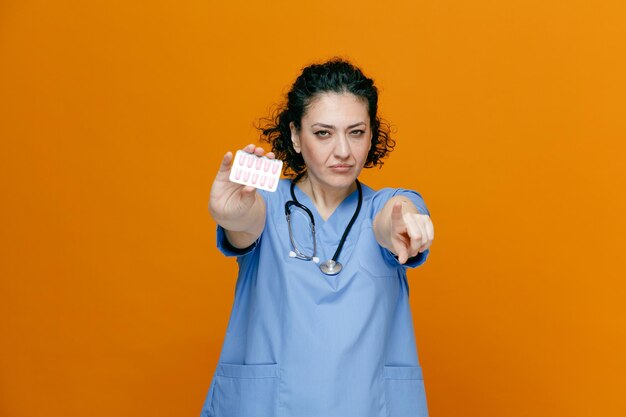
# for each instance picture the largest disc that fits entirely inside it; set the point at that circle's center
(331, 266)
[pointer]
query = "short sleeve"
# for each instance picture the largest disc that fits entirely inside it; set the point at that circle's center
(419, 203)
(229, 250)
(415, 197)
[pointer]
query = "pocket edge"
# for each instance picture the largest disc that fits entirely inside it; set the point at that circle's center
(231, 370)
(413, 372)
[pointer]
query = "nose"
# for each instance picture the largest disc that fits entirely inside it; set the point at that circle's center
(342, 147)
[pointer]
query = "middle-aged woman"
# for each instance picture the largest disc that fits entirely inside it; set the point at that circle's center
(321, 324)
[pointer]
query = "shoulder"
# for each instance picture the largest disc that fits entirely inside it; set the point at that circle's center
(281, 193)
(378, 198)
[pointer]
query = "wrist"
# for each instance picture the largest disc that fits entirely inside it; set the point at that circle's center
(382, 231)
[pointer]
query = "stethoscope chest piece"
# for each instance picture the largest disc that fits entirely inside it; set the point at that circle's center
(331, 267)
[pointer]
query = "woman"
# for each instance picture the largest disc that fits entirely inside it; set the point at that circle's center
(321, 324)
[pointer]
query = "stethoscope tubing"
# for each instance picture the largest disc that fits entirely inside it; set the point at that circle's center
(299, 254)
(294, 202)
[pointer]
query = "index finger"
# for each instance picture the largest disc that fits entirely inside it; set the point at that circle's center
(249, 148)
(396, 214)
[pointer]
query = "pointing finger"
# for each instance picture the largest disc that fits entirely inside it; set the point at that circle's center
(396, 215)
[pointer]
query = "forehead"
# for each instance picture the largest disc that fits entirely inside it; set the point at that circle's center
(337, 109)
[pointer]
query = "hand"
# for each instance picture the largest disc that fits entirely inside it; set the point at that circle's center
(229, 202)
(411, 233)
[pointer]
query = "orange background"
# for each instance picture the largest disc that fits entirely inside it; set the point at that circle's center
(511, 122)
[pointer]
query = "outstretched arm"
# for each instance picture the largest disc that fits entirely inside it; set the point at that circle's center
(400, 228)
(239, 209)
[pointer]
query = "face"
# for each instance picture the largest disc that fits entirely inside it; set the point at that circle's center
(334, 139)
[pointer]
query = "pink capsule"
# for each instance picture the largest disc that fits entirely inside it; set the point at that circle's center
(255, 177)
(250, 161)
(238, 173)
(246, 176)
(241, 158)
(266, 165)
(270, 182)
(259, 161)
(275, 168)
(262, 180)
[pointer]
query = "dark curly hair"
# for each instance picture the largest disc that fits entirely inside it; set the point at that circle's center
(336, 75)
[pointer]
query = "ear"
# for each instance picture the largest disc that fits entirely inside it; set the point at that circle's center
(295, 137)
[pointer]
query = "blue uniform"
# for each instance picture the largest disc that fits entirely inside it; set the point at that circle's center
(303, 344)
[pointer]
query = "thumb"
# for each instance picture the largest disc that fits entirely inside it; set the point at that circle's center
(397, 228)
(224, 170)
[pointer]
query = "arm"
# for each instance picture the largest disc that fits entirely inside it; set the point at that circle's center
(400, 228)
(239, 209)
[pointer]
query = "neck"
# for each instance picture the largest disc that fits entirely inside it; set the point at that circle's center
(326, 199)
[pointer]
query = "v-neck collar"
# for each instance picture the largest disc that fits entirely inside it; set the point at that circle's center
(346, 208)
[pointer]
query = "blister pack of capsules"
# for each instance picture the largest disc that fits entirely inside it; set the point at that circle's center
(257, 171)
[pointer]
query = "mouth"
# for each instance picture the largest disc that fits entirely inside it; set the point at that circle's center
(341, 168)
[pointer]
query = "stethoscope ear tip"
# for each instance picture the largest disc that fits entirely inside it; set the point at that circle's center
(292, 254)
(316, 259)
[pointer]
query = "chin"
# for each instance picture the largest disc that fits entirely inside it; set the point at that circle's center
(341, 180)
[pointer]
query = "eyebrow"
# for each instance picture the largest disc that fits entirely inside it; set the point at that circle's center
(332, 127)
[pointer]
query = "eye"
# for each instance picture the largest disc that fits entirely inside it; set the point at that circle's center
(358, 132)
(322, 133)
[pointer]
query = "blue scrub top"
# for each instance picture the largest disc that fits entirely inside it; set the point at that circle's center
(303, 344)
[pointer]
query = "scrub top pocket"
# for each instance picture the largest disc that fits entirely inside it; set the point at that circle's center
(245, 391)
(404, 391)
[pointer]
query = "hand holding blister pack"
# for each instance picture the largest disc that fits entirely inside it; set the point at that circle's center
(258, 171)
